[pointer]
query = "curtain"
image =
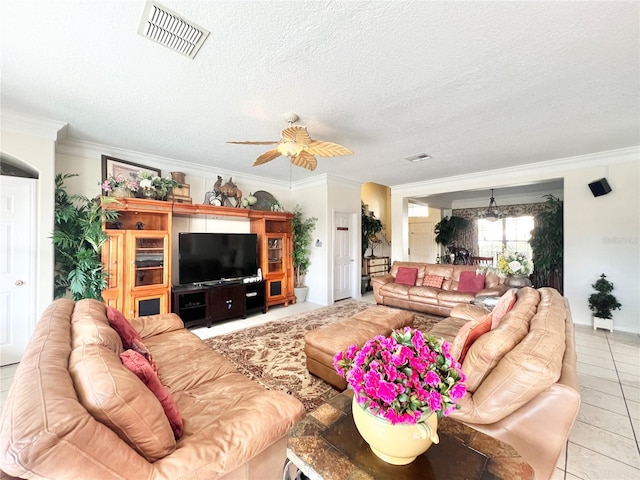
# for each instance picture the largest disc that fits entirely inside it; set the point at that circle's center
(469, 238)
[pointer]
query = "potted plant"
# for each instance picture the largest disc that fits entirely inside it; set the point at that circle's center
(447, 230)
(78, 238)
(602, 303)
(370, 227)
(517, 267)
(301, 240)
(400, 381)
(547, 244)
(121, 185)
(154, 187)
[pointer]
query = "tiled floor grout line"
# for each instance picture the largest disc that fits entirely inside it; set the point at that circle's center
(626, 405)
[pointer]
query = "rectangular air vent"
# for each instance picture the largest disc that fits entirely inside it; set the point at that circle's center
(418, 158)
(167, 28)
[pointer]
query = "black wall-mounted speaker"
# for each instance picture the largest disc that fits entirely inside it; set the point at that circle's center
(600, 187)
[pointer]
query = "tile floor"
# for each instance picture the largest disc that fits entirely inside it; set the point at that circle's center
(605, 441)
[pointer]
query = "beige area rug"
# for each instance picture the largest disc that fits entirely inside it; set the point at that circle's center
(273, 354)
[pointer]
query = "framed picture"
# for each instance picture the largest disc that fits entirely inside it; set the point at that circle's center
(115, 166)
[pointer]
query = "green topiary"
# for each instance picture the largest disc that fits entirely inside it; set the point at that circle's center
(603, 302)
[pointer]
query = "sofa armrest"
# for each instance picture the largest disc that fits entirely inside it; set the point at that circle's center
(382, 279)
(156, 324)
(496, 291)
(469, 312)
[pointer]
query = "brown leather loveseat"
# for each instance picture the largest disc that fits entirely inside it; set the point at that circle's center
(522, 379)
(74, 411)
(436, 300)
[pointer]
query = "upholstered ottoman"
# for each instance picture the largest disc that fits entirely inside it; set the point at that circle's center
(321, 344)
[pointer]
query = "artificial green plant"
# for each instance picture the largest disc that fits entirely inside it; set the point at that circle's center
(77, 239)
(302, 238)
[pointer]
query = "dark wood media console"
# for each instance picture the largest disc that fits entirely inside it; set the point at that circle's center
(206, 304)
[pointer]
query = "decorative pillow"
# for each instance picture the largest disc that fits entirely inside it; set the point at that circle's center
(130, 337)
(470, 282)
(434, 281)
(139, 365)
(468, 334)
(406, 276)
(504, 306)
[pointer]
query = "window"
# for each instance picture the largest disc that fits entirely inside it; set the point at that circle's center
(511, 232)
(417, 210)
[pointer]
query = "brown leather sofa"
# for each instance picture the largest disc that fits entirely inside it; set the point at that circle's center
(522, 380)
(420, 298)
(233, 427)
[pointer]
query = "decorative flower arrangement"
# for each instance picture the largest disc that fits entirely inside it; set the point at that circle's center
(401, 376)
(119, 181)
(162, 185)
(511, 262)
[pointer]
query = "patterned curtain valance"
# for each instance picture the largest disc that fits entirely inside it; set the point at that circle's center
(469, 238)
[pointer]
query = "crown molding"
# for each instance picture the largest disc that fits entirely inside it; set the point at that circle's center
(84, 149)
(548, 169)
(40, 127)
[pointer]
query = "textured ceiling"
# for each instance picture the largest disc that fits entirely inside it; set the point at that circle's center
(475, 85)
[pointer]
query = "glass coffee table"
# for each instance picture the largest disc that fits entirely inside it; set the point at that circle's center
(325, 445)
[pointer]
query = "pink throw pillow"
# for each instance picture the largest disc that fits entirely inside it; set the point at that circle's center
(434, 281)
(468, 334)
(130, 337)
(406, 276)
(470, 282)
(139, 365)
(504, 306)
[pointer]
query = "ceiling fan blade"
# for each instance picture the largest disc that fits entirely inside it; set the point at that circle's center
(305, 160)
(297, 133)
(266, 157)
(254, 143)
(327, 149)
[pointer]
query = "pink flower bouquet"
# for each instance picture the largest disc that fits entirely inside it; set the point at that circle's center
(401, 376)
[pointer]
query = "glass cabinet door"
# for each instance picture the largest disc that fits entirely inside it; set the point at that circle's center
(150, 260)
(275, 249)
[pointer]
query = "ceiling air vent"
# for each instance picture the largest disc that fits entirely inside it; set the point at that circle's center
(171, 30)
(418, 158)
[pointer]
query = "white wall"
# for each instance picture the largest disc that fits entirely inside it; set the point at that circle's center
(321, 198)
(32, 142)
(600, 234)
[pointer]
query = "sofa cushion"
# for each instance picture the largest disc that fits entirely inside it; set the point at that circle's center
(489, 349)
(469, 333)
(116, 397)
(139, 365)
(530, 367)
(470, 282)
(504, 306)
(130, 337)
(434, 281)
(406, 276)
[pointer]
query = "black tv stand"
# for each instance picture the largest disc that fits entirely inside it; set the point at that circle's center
(205, 304)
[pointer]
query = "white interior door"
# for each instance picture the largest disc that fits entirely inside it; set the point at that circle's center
(422, 244)
(343, 259)
(17, 266)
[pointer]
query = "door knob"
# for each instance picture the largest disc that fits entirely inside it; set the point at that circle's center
(19, 283)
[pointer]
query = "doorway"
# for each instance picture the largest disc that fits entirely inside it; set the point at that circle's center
(343, 257)
(422, 244)
(17, 265)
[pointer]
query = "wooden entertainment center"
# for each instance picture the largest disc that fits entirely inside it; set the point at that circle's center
(137, 259)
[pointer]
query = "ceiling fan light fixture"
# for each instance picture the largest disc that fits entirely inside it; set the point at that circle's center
(289, 148)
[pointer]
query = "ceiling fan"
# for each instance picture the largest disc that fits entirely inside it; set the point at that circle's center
(296, 144)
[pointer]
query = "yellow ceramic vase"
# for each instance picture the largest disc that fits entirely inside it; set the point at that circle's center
(398, 444)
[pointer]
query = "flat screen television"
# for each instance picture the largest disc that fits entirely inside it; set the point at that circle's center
(215, 257)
